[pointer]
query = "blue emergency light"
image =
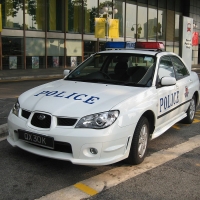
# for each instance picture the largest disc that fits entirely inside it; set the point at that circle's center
(115, 45)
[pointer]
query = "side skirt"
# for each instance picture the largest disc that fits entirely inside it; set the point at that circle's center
(160, 131)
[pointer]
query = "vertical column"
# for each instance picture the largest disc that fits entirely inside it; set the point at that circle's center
(82, 26)
(45, 26)
(0, 38)
(1, 68)
(65, 29)
(24, 36)
(125, 22)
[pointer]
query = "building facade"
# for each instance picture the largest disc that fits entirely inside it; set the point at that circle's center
(61, 33)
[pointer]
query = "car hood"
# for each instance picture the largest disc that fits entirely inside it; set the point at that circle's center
(75, 99)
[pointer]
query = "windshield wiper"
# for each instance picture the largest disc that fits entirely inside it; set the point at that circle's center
(96, 80)
(134, 84)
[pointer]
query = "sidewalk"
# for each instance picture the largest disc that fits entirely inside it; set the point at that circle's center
(30, 74)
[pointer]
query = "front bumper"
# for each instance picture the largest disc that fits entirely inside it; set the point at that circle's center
(112, 144)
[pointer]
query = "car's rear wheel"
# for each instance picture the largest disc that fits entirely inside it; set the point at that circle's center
(139, 142)
(190, 112)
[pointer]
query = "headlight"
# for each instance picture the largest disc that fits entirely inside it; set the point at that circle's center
(99, 120)
(16, 108)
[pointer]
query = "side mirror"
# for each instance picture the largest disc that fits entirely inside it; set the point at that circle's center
(66, 72)
(167, 81)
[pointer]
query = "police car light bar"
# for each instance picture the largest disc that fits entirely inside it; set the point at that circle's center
(135, 45)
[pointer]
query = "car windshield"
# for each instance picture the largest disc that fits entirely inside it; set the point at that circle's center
(116, 68)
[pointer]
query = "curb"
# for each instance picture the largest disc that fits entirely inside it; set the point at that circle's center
(3, 130)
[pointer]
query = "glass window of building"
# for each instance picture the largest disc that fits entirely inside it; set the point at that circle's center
(153, 28)
(12, 14)
(142, 22)
(55, 53)
(153, 3)
(176, 33)
(35, 53)
(34, 15)
(12, 53)
(105, 11)
(142, 1)
(131, 13)
(178, 6)
(74, 21)
(89, 48)
(161, 30)
(162, 4)
(170, 4)
(55, 15)
(170, 30)
(74, 53)
(90, 13)
(119, 13)
(170, 25)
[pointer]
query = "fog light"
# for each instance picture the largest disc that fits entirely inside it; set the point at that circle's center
(93, 151)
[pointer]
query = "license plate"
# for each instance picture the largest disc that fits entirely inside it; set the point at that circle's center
(37, 139)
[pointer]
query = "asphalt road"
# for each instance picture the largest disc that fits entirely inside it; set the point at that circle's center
(27, 176)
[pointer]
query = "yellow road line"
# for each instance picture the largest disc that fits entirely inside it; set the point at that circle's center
(196, 121)
(176, 127)
(86, 189)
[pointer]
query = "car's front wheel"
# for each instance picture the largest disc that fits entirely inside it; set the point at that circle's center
(190, 112)
(139, 142)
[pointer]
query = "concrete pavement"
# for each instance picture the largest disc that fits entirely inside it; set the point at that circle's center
(30, 74)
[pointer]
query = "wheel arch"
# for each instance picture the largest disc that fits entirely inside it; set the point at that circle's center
(149, 114)
(196, 94)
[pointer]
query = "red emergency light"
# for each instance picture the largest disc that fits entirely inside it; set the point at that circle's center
(149, 45)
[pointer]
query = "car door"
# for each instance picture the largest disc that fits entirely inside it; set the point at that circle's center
(167, 96)
(183, 83)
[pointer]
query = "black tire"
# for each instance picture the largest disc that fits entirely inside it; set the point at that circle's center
(190, 112)
(139, 142)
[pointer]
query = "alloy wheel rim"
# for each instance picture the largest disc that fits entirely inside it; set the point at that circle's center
(192, 109)
(143, 138)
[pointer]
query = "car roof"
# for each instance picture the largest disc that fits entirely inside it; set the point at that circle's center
(136, 51)
(133, 51)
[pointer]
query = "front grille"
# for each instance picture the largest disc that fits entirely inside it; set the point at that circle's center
(41, 120)
(66, 121)
(25, 113)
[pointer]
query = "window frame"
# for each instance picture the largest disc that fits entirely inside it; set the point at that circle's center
(178, 77)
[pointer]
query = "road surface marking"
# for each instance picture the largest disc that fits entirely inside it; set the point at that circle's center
(196, 121)
(86, 189)
(118, 175)
(176, 127)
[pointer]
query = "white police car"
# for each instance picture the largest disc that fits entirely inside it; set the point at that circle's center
(108, 108)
